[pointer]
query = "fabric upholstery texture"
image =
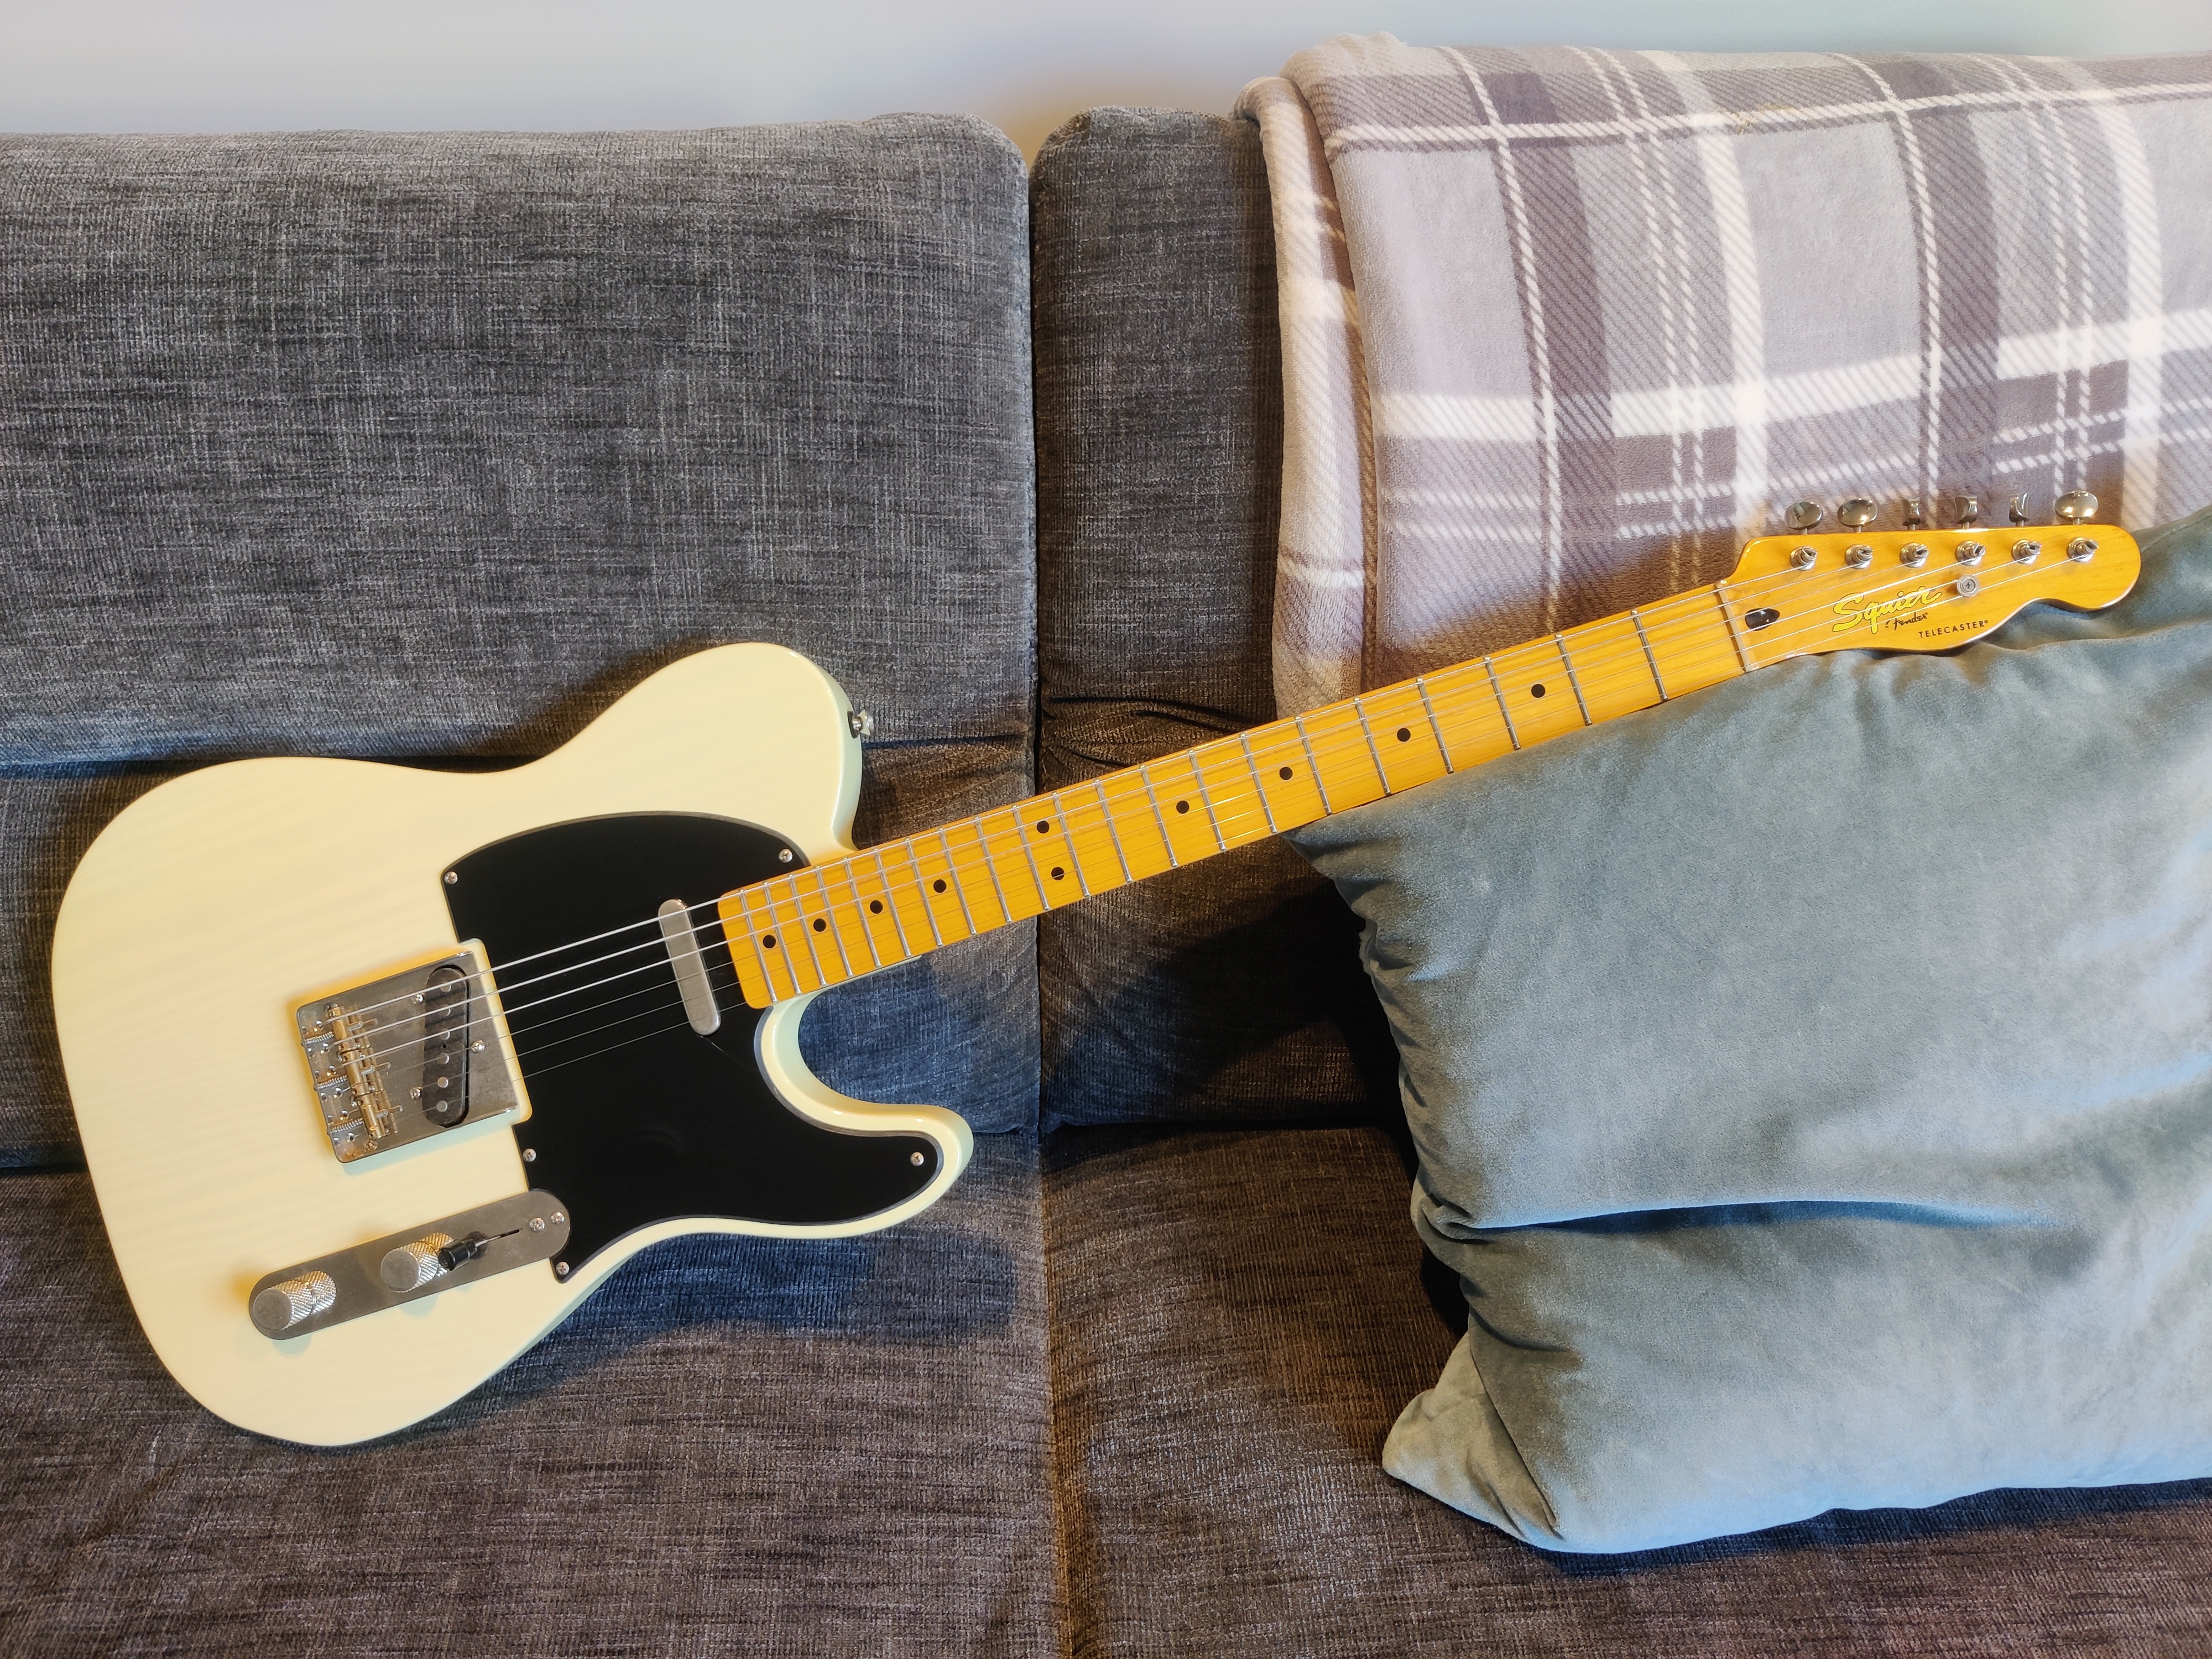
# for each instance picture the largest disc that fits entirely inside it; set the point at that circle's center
(736, 1446)
(1228, 991)
(430, 445)
(1236, 1316)
(1616, 311)
(1810, 1078)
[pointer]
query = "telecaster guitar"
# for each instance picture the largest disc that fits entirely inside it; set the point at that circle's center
(380, 1071)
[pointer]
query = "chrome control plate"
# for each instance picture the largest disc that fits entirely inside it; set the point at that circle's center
(408, 1055)
(312, 1296)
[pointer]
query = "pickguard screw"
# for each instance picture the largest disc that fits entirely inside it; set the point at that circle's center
(453, 877)
(530, 1155)
(914, 1159)
(560, 1270)
(784, 856)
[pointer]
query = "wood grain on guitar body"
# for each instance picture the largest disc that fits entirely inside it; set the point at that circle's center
(380, 1070)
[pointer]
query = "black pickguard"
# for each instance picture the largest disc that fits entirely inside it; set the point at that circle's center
(634, 1117)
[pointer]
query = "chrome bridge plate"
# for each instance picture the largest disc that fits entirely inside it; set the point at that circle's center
(408, 1055)
(383, 1272)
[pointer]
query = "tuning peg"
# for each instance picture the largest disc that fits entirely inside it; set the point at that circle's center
(2019, 509)
(1970, 511)
(1912, 518)
(1858, 513)
(1804, 516)
(2076, 505)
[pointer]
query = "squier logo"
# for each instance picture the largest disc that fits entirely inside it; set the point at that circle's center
(1864, 611)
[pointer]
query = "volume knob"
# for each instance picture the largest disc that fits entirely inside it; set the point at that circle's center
(411, 1266)
(295, 1302)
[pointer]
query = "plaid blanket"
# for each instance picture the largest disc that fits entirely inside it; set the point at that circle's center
(1562, 328)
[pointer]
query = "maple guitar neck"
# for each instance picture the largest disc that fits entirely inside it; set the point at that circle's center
(1788, 597)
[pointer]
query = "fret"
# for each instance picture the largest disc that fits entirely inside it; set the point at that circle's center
(831, 908)
(1321, 783)
(959, 887)
(1190, 815)
(1021, 822)
(762, 960)
(1113, 836)
(1252, 762)
(885, 904)
(1010, 860)
(1720, 598)
(1574, 684)
(1421, 689)
(1135, 816)
(1614, 676)
(1083, 820)
(1410, 751)
(915, 885)
(1531, 684)
(1645, 640)
(796, 923)
(1504, 712)
(966, 852)
(1342, 750)
(1228, 784)
(1693, 644)
(1359, 714)
(1472, 719)
(1152, 794)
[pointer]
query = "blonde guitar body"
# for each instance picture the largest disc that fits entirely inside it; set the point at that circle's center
(218, 905)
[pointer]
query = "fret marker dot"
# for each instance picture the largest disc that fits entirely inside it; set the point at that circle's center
(1044, 826)
(937, 886)
(1404, 734)
(819, 924)
(768, 941)
(1182, 806)
(1058, 873)
(875, 907)
(1536, 690)
(1285, 774)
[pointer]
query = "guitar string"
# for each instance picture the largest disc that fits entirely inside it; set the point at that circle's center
(1596, 674)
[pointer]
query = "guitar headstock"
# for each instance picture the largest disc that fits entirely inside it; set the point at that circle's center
(1918, 590)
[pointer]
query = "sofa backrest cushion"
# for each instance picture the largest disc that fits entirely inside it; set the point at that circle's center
(431, 445)
(1229, 991)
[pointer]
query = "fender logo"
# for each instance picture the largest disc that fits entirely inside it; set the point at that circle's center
(1864, 611)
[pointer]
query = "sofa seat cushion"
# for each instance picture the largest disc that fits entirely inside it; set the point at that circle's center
(737, 1445)
(1238, 1317)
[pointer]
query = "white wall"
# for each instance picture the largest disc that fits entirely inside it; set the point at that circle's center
(217, 65)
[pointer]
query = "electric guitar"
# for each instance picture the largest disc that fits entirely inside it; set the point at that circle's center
(380, 1070)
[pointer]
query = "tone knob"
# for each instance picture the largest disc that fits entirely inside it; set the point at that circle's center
(2076, 505)
(411, 1266)
(295, 1302)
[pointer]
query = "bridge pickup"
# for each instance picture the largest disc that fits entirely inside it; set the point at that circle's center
(408, 1055)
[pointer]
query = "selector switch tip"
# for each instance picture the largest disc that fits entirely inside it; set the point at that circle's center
(282, 1307)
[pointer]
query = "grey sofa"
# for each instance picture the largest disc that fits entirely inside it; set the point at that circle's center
(426, 448)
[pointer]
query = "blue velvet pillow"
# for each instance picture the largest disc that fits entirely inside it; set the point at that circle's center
(1812, 1082)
